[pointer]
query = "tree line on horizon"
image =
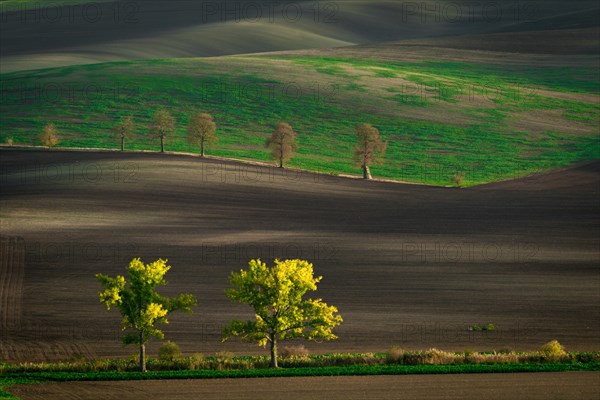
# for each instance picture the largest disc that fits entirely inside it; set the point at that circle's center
(202, 132)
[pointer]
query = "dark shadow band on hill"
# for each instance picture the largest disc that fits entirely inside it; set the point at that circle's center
(289, 171)
(583, 173)
(489, 47)
(350, 21)
(183, 29)
(580, 174)
(559, 41)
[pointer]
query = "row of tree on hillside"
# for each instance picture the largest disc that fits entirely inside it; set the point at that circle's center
(202, 132)
(275, 293)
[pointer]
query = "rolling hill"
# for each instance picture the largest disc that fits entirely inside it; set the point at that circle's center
(482, 95)
(405, 264)
(123, 30)
(480, 114)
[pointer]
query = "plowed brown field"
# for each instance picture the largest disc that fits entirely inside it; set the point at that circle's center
(405, 264)
(525, 386)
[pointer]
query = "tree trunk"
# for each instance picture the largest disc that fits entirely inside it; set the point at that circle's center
(281, 155)
(366, 172)
(142, 353)
(273, 351)
(202, 148)
(162, 144)
(122, 143)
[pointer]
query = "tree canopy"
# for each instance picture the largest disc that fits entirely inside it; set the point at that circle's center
(124, 129)
(140, 305)
(282, 143)
(163, 124)
(276, 295)
(202, 131)
(369, 148)
(49, 136)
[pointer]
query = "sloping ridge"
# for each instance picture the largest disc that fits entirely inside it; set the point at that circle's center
(559, 41)
(185, 28)
(583, 177)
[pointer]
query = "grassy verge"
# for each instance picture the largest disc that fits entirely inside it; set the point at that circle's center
(35, 377)
(225, 365)
(6, 381)
(354, 370)
(225, 361)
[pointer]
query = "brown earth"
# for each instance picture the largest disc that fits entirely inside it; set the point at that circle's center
(12, 265)
(537, 386)
(405, 264)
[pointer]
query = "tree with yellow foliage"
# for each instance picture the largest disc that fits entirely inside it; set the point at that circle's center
(140, 305)
(276, 295)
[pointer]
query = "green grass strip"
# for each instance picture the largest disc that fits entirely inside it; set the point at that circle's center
(358, 370)
(355, 370)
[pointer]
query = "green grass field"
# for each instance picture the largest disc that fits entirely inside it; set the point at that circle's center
(30, 378)
(440, 119)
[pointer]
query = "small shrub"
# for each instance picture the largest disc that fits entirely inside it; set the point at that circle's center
(472, 357)
(489, 327)
(587, 357)
(177, 364)
(395, 355)
(169, 351)
(242, 363)
(475, 328)
(432, 356)
(337, 359)
(294, 362)
(494, 358)
(49, 136)
(294, 351)
(128, 365)
(99, 365)
(343, 359)
(196, 361)
(552, 351)
(9, 141)
(435, 356)
(370, 359)
(412, 358)
(221, 360)
(552, 348)
(458, 179)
